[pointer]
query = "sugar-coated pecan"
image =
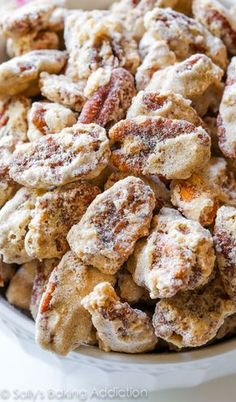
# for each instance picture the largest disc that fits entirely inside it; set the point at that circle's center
(60, 89)
(196, 78)
(78, 152)
(159, 146)
(185, 36)
(54, 214)
(48, 118)
(165, 104)
(192, 319)
(110, 102)
(62, 323)
(225, 241)
(218, 19)
(97, 39)
(120, 328)
(35, 41)
(177, 256)
(226, 119)
(29, 18)
(21, 74)
(114, 221)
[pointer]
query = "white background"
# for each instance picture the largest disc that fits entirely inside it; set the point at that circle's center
(22, 372)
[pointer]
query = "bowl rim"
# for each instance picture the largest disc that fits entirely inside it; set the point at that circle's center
(17, 319)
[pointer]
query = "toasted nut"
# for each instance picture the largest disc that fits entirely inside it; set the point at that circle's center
(199, 197)
(192, 319)
(110, 102)
(196, 78)
(184, 35)
(226, 119)
(20, 288)
(178, 255)
(21, 73)
(54, 214)
(60, 89)
(158, 56)
(159, 146)
(43, 272)
(97, 39)
(218, 19)
(116, 219)
(29, 18)
(132, 13)
(163, 104)
(225, 241)
(78, 152)
(15, 216)
(120, 327)
(62, 324)
(48, 118)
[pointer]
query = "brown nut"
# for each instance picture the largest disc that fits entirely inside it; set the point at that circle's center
(35, 41)
(225, 242)
(110, 102)
(159, 146)
(116, 219)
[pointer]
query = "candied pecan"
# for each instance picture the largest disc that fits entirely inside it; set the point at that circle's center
(78, 152)
(60, 89)
(62, 323)
(164, 104)
(110, 102)
(20, 287)
(226, 118)
(97, 39)
(184, 35)
(178, 255)
(35, 41)
(48, 118)
(31, 17)
(225, 241)
(192, 319)
(196, 78)
(54, 214)
(114, 221)
(21, 74)
(120, 327)
(159, 146)
(218, 19)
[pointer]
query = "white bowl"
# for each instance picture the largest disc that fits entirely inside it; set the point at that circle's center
(148, 371)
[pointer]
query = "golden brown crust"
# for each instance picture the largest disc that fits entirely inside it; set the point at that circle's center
(116, 219)
(159, 146)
